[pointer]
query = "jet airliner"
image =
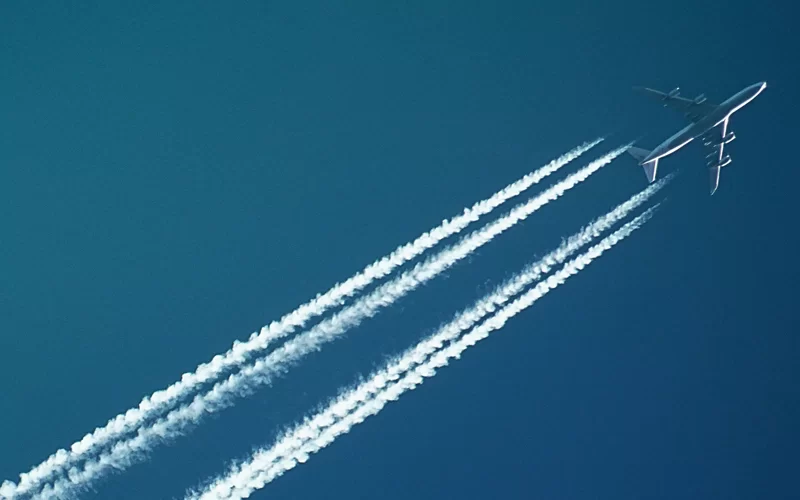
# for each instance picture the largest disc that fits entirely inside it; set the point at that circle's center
(708, 121)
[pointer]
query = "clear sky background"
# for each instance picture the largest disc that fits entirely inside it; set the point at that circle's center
(174, 175)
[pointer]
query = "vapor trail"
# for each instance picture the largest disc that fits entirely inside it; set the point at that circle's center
(124, 453)
(162, 400)
(402, 375)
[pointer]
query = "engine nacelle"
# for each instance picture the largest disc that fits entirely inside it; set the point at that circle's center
(674, 92)
(700, 99)
(729, 137)
(721, 163)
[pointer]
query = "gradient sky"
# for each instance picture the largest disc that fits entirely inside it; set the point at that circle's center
(174, 175)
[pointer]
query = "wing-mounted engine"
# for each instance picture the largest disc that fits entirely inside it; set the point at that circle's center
(716, 143)
(724, 162)
(700, 99)
(672, 94)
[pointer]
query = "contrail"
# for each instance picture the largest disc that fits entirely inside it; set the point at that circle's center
(402, 375)
(124, 453)
(162, 400)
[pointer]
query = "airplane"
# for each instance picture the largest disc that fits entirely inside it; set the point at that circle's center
(708, 121)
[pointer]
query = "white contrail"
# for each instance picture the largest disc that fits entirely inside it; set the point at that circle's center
(161, 400)
(402, 375)
(124, 453)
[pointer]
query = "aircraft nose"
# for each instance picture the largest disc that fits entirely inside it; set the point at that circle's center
(757, 88)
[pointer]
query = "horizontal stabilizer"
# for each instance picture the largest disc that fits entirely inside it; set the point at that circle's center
(638, 153)
(650, 167)
(650, 170)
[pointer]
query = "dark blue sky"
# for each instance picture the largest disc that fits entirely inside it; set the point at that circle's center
(175, 175)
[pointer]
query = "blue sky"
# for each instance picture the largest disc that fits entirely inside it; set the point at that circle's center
(174, 176)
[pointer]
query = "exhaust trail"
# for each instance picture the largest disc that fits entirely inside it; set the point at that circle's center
(125, 453)
(162, 400)
(402, 375)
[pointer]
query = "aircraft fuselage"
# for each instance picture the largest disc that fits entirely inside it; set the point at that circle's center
(694, 130)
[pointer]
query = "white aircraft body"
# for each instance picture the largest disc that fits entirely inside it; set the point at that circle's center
(708, 121)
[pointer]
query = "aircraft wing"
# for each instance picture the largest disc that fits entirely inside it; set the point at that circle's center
(717, 157)
(693, 109)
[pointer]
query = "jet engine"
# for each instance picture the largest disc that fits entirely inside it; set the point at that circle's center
(729, 137)
(700, 99)
(722, 163)
(674, 92)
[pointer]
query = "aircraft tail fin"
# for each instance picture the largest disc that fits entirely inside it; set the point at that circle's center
(650, 168)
